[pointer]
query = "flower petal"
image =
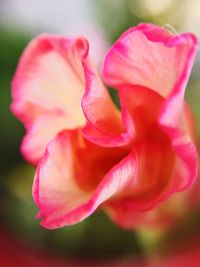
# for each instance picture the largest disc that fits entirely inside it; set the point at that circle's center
(49, 80)
(45, 128)
(59, 198)
(137, 100)
(186, 160)
(150, 56)
(143, 106)
(104, 124)
(163, 217)
(161, 173)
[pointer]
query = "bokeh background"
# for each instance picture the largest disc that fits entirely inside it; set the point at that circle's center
(23, 242)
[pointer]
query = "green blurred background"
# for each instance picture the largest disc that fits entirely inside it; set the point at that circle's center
(102, 22)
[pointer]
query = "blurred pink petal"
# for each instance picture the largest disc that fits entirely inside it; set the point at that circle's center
(150, 56)
(49, 83)
(104, 124)
(57, 193)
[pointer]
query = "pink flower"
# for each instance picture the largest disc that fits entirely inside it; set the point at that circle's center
(126, 162)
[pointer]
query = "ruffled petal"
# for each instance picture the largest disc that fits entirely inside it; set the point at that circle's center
(186, 165)
(60, 200)
(176, 121)
(163, 169)
(148, 108)
(150, 56)
(165, 216)
(49, 80)
(105, 126)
